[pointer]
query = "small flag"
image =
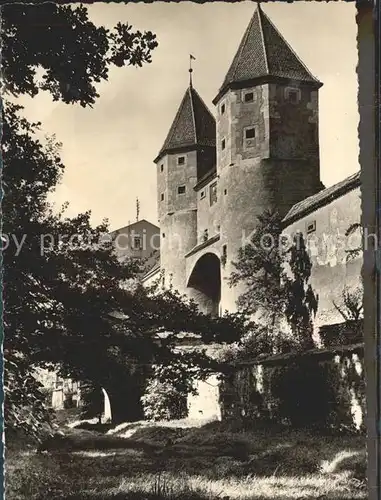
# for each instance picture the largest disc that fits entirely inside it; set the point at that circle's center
(192, 57)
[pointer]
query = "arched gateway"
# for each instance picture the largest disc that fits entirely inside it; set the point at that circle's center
(204, 283)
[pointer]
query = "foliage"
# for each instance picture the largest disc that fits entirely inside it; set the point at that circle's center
(260, 266)
(40, 53)
(63, 282)
(351, 307)
(276, 278)
(58, 49)
(25, 402)
(92, 400)
(353, 253)
(166, 393)
(302, 302)
(162, 401)
(342, 334)
(307, 395)
(257, 342)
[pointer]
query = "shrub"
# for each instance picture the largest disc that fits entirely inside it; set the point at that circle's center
(163, 401)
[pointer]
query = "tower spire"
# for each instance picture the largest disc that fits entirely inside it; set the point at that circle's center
(264, 54)
(190, 68)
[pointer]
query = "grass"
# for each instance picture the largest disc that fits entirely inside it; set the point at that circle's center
(199, 463)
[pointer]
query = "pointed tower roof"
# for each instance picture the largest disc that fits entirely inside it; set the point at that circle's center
(264, 53)
(194, 125)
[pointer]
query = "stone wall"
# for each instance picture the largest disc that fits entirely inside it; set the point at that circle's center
(320, 387)
(332, 271)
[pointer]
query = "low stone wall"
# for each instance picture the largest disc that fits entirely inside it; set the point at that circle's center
(205, 404)
(323, 387)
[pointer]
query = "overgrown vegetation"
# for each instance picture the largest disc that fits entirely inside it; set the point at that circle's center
(64, 284)
(278, 294)
(299, 390)
(351, 305)
(200, 464)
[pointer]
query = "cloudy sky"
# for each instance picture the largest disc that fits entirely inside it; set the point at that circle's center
(109, 150)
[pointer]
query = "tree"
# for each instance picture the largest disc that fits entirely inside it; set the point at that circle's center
(56, 48)
(355, 252)
(301, 302)
(276, 278)
(351, 307)
(260, 266)
(62, 282)
(52, 48)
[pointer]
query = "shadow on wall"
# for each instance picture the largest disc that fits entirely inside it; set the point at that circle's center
(205, 280)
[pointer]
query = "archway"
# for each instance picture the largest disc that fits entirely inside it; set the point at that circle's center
(204, 284)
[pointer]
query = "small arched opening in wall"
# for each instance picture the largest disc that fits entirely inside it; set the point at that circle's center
(204, 283)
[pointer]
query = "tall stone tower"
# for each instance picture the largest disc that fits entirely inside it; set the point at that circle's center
(267, 137)
(187, 153)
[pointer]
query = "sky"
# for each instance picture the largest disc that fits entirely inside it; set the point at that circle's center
(109, 150)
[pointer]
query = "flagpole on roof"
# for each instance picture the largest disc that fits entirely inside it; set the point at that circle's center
(190, 68)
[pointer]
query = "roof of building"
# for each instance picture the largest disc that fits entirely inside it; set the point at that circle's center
(322, 198)
(206, 178)
(263, 52)
(130, 226)
(194, 125)
(152, 272)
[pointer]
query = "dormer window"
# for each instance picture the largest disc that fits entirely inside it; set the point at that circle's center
(181, 160)
(181, 190)
(248, 97)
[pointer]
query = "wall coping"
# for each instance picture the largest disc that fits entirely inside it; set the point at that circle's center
(202, 245)
(323, 353)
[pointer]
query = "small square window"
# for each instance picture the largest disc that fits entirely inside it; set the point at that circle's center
(202, 194)
(249, 97)
(161, 168)
(223, 144)
(222, 109)
(181, 160)
(162, 197)
(311, 227)
(250, 133)
(181, 189)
